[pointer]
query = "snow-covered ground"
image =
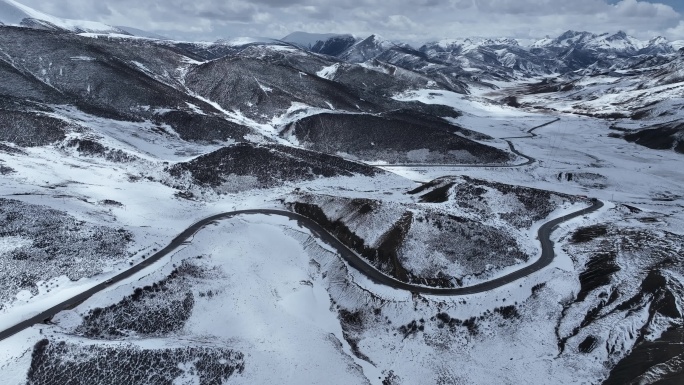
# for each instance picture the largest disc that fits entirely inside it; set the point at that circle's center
(281, 294)
(603, 167)
(273, 303)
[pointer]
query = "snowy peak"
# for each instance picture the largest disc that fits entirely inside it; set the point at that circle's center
(367, 49)
(619, 41)
(375, 41)
(658, 40)
(15, 14)
(620, 35)
(469, 44)
(570, 38)
(327, 44)
(658, 46)
(487, 59)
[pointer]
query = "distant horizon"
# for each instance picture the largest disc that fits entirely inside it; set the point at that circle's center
(437, 39)
(522, 41)
(412, 22)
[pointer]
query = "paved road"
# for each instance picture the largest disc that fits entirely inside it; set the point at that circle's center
(529, 160)
(354, 260)
(350, 256)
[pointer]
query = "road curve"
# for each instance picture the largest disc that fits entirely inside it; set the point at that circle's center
(354, 260)
(529, 160)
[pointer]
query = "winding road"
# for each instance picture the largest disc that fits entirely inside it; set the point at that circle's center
(529, 160)
(354, 260)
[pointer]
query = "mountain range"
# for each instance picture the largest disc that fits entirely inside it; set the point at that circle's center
(485, 59)
(327, 208)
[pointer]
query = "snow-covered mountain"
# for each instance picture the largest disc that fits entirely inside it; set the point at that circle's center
(541, 181)
(13, 13)
(569, 52)
(504, 59)
(619, 43)
(650, 88)
(16, 14)
(367, 49)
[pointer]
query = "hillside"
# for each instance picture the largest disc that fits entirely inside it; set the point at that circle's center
(327, 208)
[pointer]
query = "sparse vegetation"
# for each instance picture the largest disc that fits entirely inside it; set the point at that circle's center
(415, 244)
(397, 137)
(50, 243)
(154, 310)
(58, 363)
(244, 166)
(586, 234)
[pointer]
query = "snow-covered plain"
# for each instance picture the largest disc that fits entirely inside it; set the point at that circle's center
(271, 303)
(606, 168)
(293, 307)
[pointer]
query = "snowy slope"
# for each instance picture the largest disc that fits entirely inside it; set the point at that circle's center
(17, 14)
(652, 88)
(136, 139)
(367, 49)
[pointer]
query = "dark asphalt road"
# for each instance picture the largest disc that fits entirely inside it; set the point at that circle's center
(354, 260)
(350, 256)
(529, 160)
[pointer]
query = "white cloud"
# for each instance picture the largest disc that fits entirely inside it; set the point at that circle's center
(399, 23)
(644, 9)
(676, 33)
(397, 19)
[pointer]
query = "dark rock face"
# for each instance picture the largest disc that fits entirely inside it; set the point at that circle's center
(615, 258)
(269, 165)
(383, 256)
(24, 85)
(652, 362)
(367, 49)
(597, 273)
(333, 46)
(202, 128)
(588, 345)
(125, 80)
(668, 136)
(261, 90)
(401, 228)
(586, 234)
(397, 137)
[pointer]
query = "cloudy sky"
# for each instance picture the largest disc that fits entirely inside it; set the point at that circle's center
(408, 20)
